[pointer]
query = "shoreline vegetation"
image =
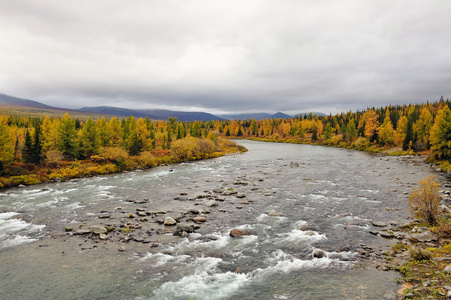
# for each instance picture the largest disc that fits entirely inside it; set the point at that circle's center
(37, 150)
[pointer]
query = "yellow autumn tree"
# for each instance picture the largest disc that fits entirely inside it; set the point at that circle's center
(424, 202)
(386, 132)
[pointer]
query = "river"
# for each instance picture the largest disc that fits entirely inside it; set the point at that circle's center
(294, 200)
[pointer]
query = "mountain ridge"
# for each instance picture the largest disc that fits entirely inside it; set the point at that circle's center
(155, 114)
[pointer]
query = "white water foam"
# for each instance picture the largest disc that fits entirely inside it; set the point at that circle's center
(299, 236)
(271, 220)
(204, 283)
(160, 259)
(207, 283)
(14, 231)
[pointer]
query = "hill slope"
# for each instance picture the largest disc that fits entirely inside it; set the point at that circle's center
(155, 114)
(6, 100)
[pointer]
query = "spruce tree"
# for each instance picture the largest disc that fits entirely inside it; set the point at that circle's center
(37, 146)
(27, 149)
(409, 136)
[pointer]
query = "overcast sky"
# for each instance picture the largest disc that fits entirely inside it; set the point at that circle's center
(226, 56)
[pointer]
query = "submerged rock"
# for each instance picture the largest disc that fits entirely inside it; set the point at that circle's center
(98, 230)
(379, 224)
(82, 231)
(211, 203)
(236, 233)
(229, 192)
(183, 228)
(273, 213)
(318, 254)
(294, 165)
(141, 201)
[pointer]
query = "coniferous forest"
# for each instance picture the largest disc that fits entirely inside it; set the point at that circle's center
(35, 150)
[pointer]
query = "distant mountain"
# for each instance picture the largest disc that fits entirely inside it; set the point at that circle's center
(155, 114)
(26, 106)
(281, 115)
(256, 116)
(6, 100)
(36, 108)
(123, 112)
(185, 116)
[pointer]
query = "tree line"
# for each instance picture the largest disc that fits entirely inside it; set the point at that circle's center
(414, 127)
(129, 142)
(33, 150)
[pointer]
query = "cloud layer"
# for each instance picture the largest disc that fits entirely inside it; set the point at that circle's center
(232, 56)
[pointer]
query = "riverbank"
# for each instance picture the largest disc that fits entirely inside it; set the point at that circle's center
(309, 212)
(421, 253)
(110, 162)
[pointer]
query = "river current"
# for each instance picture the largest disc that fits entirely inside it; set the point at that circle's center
(294, 200)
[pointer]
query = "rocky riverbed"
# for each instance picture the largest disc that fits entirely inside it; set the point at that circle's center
(278, 222)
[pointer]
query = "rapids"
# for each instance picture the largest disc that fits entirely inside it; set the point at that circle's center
(327, 200)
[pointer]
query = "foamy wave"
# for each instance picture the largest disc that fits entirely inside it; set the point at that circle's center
(296, 236)
(271, 220)
(160, 259)
(217, 243)
(14, 231)
(204, 283)
(282, 262)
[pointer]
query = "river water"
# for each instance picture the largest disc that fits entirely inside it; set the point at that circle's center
(327, 200)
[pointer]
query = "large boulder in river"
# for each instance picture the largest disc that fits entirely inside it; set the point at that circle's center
(169, 221)
(236, 233)
(183, 229)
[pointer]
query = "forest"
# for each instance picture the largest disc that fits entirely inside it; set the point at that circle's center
(35, 150)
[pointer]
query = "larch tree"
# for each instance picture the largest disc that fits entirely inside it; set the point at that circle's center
(441, 134)
(401, 131)
(115, 133)
(386, 132)
(370, 123)
(49, 129)
(67, 137)
(103, 132)
(89, 140)
(6, 144)
(423, 126)
(351, 130)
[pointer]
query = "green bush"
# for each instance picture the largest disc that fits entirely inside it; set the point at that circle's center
(418, 254)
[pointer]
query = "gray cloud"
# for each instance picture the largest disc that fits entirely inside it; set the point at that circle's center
(230, 56)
